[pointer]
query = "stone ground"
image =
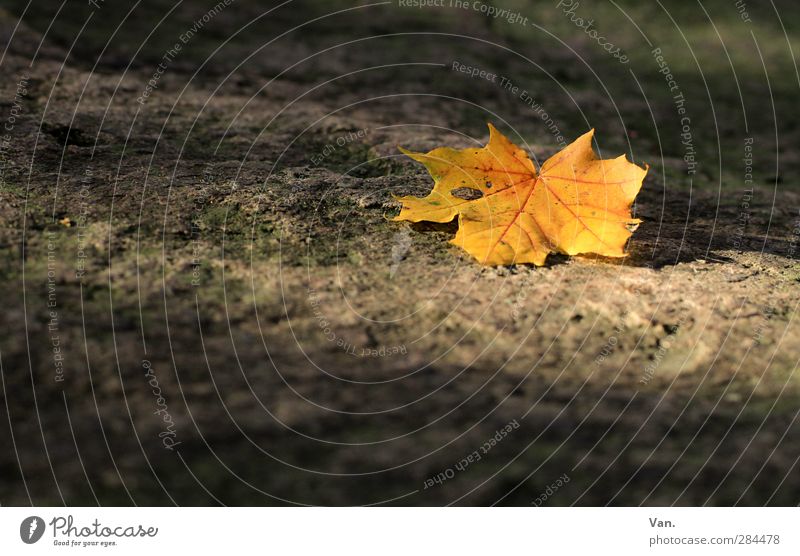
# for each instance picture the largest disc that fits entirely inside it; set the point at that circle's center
(225, 243)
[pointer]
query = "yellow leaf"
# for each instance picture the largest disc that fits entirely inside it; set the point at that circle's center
(575, 204)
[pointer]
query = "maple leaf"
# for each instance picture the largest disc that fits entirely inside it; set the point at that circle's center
(575, 204)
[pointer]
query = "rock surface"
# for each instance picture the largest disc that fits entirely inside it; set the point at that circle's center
(207, 303)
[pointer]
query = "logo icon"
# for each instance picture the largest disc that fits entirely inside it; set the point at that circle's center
(31, 529)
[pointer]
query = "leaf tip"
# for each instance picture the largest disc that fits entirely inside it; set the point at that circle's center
(495, 134)
(585, 137)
